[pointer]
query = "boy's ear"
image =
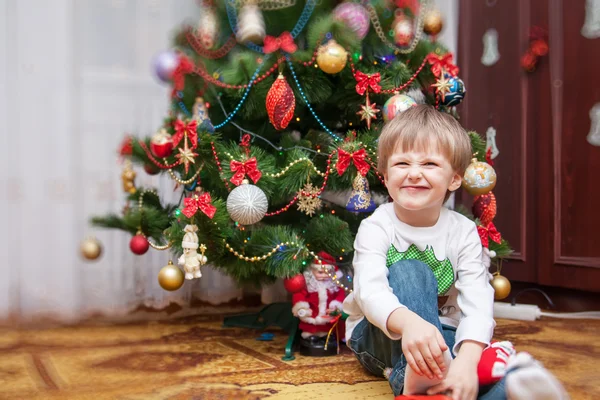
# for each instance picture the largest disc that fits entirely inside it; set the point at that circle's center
(455, 183)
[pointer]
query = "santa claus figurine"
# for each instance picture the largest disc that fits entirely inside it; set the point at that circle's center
(317, 304)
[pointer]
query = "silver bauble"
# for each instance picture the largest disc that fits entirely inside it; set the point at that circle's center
(247, 204)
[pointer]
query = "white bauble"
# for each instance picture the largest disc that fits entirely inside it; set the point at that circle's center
(247, 204)
(251, 27)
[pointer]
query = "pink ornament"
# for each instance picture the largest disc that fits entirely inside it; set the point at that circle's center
(355, 16)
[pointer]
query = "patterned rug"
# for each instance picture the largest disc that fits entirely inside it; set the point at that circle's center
(195, 358)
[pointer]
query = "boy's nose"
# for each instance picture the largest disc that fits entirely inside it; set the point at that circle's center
(414, 173)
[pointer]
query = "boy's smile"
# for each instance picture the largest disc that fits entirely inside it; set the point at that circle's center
(418, 183)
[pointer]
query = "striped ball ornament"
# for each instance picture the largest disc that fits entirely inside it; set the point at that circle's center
(247, 204)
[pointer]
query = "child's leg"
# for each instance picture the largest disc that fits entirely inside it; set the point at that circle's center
(416, 287)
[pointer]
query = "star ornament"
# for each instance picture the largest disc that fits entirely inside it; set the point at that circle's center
(442, 86)
(368, 112)
(186, 156)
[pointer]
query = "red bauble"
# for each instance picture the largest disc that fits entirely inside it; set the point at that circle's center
(280, 103)
(295, 283)
(161, 144)
(139, 244)
(539, 47)
(151, 169)
(529, 61)
(126, 146)
(484, 208)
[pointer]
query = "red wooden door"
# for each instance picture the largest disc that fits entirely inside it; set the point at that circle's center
(548, 187)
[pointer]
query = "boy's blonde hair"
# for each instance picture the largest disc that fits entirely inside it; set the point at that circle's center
(423, 128)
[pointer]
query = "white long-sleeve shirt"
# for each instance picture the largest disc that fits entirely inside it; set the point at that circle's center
(383, 239)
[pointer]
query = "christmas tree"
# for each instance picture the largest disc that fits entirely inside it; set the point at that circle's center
(272, 133)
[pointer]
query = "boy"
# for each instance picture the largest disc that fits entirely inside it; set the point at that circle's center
(411, 254)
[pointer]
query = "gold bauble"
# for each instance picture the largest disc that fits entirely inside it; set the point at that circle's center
(501, 287)
(91, 248)
(479, 178)
(332, 57)
(433, 23)
(170, 277)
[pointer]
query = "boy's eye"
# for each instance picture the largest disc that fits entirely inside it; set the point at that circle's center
(431, 164)
(401, 163)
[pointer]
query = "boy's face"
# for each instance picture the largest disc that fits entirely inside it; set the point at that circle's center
(418, 182)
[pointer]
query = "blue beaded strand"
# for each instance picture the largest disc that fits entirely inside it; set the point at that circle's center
(182, 106)
(335, 137)
(302, 21)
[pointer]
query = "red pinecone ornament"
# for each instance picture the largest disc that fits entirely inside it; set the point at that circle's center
(280, 103)
(139, 244)
(484, 208)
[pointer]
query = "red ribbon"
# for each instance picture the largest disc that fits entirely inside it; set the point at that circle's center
(183, 129)
(358, 157)
(126, 146)
(248, 167)
(202, 203)
(285, 42)
(184, 67)
(442, 63)
(488, 232)
(364, 81)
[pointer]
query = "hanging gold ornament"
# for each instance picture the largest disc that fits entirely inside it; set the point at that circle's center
(501, 286)
(308, 200)
(170, 277)
(433, 22)
(128, 178)
(331, 57)
(91, 248)
(479, 178)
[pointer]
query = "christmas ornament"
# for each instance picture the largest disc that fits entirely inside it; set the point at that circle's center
(139, 244)
(308, 200)
(491, 55)
(241, 169)
(126, 147)
(151, 169)
(395, 105)
(358, 158)
(360, 199)
(456, 92)
(484, 208)
(184, 67)
(331, 57)
(368, 111)
(442, 86)
(479, 178)
(440, 64)
(251, 25)
(91, 248)
(161, 144)
(200, 115)
(247, 204)
(170, 277)
(355, 16)
(280, 103)
(285, 42)
(185, 131)
(501, 287)
(190, 260)
(164, 64)
(487, 232)
(403, 31)
(207, 28)
(295, 283)
(128, 178)
(432, 22)
(202, 203)
(367, 83)
(529, 61)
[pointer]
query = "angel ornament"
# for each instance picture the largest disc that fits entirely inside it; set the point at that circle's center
(190, 260)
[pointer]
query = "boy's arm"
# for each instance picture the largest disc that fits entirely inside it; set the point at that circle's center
(372, 291)
(475, 294)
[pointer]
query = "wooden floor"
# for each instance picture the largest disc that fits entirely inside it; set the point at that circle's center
(195, 358)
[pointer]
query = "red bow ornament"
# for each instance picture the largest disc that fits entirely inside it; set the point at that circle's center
(440, 64)
(488, 232)
(184, 67)
(188, 130)
(358, 157)
(364, 82)
(202, 203)
(241, 169)
(285, 42)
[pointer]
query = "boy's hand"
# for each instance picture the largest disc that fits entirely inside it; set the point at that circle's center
(422, 343)
(462, 378)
